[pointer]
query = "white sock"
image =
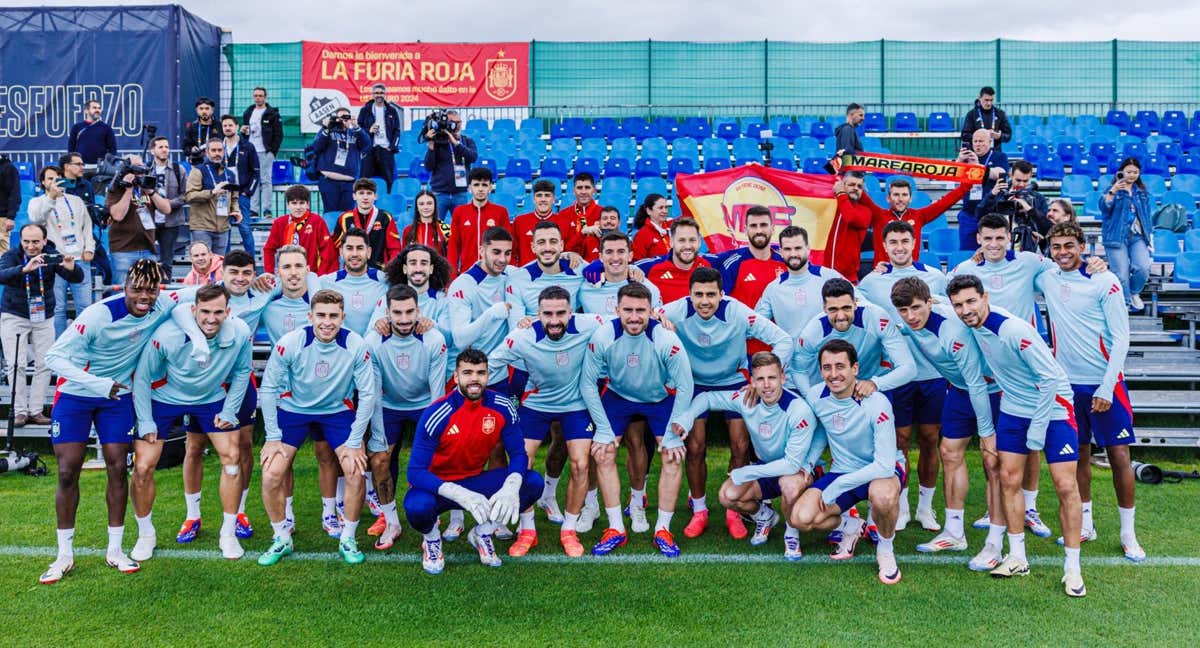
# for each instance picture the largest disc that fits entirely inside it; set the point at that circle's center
(995, 536)
(885, 545)
(287, 508)
(925, 498)
(954, 522)
(145, 525)
(550, 490)
(487, 528)
(1126, 515)
(791, 532)
(369, 481)
(242, 503)
(526, 521)
(456, 518)
(698, 503)
(1030, 499)
(615, 521)
(1016, 546)
(115, 535)
(228, 523)
(281, 529)
(664, 520)
(432, 536)
(1071, 564)
(1088, 522)
(571, 520)
(903, 501)
(637, 497)
(340, 493)
(590, 501)
(763, 512)
(871, 520)
(349, 529)
(193, 505)
(66, 543)
(390, 514)
(328, 506)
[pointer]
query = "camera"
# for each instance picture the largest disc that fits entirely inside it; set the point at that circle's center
(1020, 220)
(438, 121)
(52, 258)
(117, 168)
(338, 122)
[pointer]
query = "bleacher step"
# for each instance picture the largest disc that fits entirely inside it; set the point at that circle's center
(1164, 401)
(1169, 437)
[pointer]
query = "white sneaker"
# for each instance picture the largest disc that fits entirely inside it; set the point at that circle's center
(550, 506)
(1011, 567)
(1086, 535)
(1133, 550)
(121, 562)
(1136, 303)
(1033, 522)
(56, 571)
(889, 571)
(902, 519)
(587, 518)
(372, 499)
(432, 558)
(928, 520)
(231, 549)
(637, 520)
(943, 542)
(1073, 584)
(143, 549)
(982, 523)
(762, 528)
(986, 560)
(454, 529)
(483, 544)
(332, 525)
(502, 533)
(791, 548)
(851, 532)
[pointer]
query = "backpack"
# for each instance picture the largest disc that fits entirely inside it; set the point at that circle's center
(1171, 217)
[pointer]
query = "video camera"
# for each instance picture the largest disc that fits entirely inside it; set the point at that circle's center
(438, 121)
(1020, 221)
(116, 168)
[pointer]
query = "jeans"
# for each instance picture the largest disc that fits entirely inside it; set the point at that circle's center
(218, 242)
(260, 202)
(245, 227)
(1131, 264)
(336, 195)
(446, 202)
(123, 261)
(379, 163)
(35, 342)
(167, 237)
(81, 292)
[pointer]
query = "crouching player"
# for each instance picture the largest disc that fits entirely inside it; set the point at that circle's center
(780, 425)
(861, 435)
(446, 469)
(170, 384)
(308, 388)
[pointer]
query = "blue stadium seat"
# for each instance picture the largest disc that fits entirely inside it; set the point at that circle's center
(1102, 150)
(282, 172)
(1152, 141)
(1173, 128)
(1190, 140)
(1076, 187)
(943, 242)
(1156, 185)
(574, 126)
(714, 146)
(1191, 240)
(487, 163)
(28, 189)
(509, 202)
(746, 147)
(1068, 149)
(625, 147)
(789, 130)
(1175, 115)
(1029, 120)
(753, 129)
(785, 163)
(874, 145)
(743, 160)
(716, 163)
(728, 131)
(594, 147)
(511, 185)
(1134, 150)
(477, 126)
(587, 165)
(25, 170)
(778, 121)
(1148, 117)
(417, 170)
(1155, 165)
(560, 131)
(1180, 197)
(393, 203)
(814, 165)
(654, 147)
(647, 168)
(1118, 118)
(1033, 152)
(651, 185)
(906, 122)
(403, 160)
(602, 127)
(921, 199)
(1187, 182)
(635, 127)
(407, 186)
(1188, 163)
(1087, 122)
(504, 127)
(679, 164)
(1169, 151)
(1058, 122)
(1139, 128)
(555, 168)
(563, 148)
(330, 218)
(1187, 268)
(940, 122)
(685, 147)
(1091, 204)
(874, 122)
(696, 128)
(1086, 165)
(1166, 245)
(533, 150)
(667, 128)
(617, 166)
(617, 185)
(821, 130)
(519, 167)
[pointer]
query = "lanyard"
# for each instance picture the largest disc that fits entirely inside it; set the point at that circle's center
(203, 135)
(991, 113)
(988, 158)
(370, 222)
(29, 287)
(231, 153)
(58, 216)
(212, 176)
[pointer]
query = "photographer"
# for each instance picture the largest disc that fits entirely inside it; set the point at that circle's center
(448, 159)
(170, 180)
(381, 118)
(264, 129)
(28, 273)
(241, 159)
(75, 184)
(339, 147)
(131, 206)
(1127, 218)
(212, 196)
(196, 133)
(10, 199)
(69, 228)
(1017, 198)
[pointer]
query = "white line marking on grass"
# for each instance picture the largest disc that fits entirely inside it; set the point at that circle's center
(620, 558)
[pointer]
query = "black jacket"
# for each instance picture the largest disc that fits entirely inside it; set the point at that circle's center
(391, 118)
(272, 127)
(10, 190)
(440, 164)
(15, 300)
(196, 134)
(246, 165)
(993, 119)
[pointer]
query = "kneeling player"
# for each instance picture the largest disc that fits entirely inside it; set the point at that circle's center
(780, 425)
(446, 470)
(862, 443)
(308, 388)
(170, 384)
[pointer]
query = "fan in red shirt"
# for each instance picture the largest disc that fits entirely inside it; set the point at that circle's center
(582, 213)
(653, 237)
(671, 272)
(304, 228)
(468, 222)
(899, 197)
(843, 245)
(543, 210)
(426, 228)
(747, 271)
(593, 235)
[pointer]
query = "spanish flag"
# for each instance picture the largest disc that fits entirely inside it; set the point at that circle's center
(719, 201)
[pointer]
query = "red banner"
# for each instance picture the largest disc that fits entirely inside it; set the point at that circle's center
(719, 201)
(416, 74)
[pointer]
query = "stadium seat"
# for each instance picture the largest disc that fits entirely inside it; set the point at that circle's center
(1087, 166)
(874, 145)
(533, 150)
(754, 128)
(728, 131)
(943, 243)
(814, 165)
(1178, 197)
(1155, 183)
(1058, 122)
(821, 130)
(785, 163)
(1169, 151)
(487, 163)
(805, 123)
(504, 127)
(417, 170)
(957, 257)
(560, 131)
(1191, 240)
(746, 147)
(940, 122)
(1188, 163)
(1155, 165)
(696, 128)
(685, 147)
(874, 122)
(393, 203)
(1118, 118)
(679, 165)
(509, 202)
(1187, 268)
(1190, 141)
(1152, 141)
(407, 186)
(777, 122)
(330, 218)
(1075, 187)
(1175, 115)
(1091, 204)
(1166, 245)
(563, 148)
(624, 147)
(651, 185)
(617, 185)
(1187, 183)
(1029, 120)
(667, 128)
(593, 147)
(617, 166)
(1173, 128)
(25, 170)
(906, 122)
(574, 126)
(1134, 150)
(282, 172)
(511, 185)
(716, 163)
(555, 168)
(1139, 128)
(714, 146)
(1148, 117)
(519, 168)
(635, 127)
(654, 147)
(789, 130)
(647, 168)
(477, 126)
(743, 160)
(587, 165)
(402, 161)
(1068, 149)
(1088, 123)
(1103, 151)
(920, 199)
(1033, 152)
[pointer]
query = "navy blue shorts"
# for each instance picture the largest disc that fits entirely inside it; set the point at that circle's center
(1062, 438)
(621, 411)
(958, 416)
(73, 416)
(393, 422)
(334, 428)
(1111, 428)
(918, 402)
(855, 495)
(769, 487)
(249, 404)
(700, 389)
(535, 424)
(200, 417)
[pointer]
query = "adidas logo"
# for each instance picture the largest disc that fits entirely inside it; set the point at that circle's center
(753, 319)
(803, 424)
(279, 349)
(750, 277)
(1066, 450)
(674, 350)
(1124, 434)
(458, 294)
(883, 416)
(667, 275)
(1114, 289)
(883, 323)
(1025, 344)
(956, 347)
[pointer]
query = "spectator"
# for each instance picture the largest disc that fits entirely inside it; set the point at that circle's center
(92, 137)
(196, 134)
(76, 185)
(206, 266)
(28, 274)
(593, 235)
(982, 151)
(262, 125)
(383, 236)
(544, 195)
(844, 243)
(339, 147)
(1021, 202)
(426, 228)
(899, 201)
(171, 184)
(69, 228)
(381, 119)
(847, 134)
(447, 160)
(212, 198)
(10, 199)
(1126, 220)
(470, 221)
(985, 115)
(131, 235)
(301, 227)
(242, 161)
(653, 235)
(1059, 211)
(584, 212)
